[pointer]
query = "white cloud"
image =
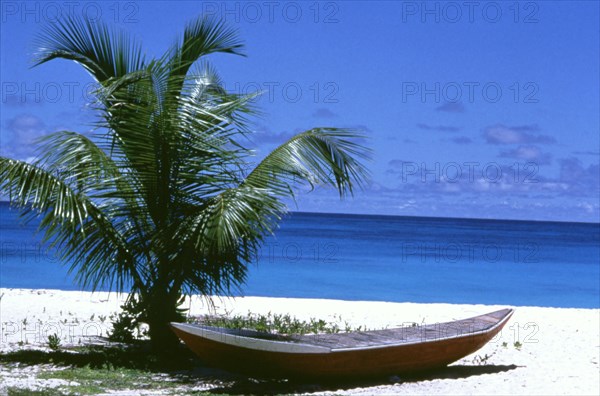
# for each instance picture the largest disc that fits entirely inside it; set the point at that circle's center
(528, 153)
(502, 134)
(19, 135)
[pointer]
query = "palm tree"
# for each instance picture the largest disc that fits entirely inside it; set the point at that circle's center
(163, 199)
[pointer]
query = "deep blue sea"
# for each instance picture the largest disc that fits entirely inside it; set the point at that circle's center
(360, 257)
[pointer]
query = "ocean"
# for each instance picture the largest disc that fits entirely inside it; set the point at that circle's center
(382, 258)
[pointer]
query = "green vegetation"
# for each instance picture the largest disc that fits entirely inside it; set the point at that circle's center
(518, 345)
(14, 391)
(93, 370)
(93, 381)
(165, 198)
(88, 381)
(482, 360)
(104, 369)
(276, 324)
(137, 356)
(54, 342)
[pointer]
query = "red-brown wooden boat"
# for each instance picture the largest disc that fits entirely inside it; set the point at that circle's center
(402, 350)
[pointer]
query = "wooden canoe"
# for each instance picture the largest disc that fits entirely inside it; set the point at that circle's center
(395, 351)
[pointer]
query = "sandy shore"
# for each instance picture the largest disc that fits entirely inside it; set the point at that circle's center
(558, 354)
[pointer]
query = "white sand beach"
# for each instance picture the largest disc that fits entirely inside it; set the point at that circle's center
(559, 349)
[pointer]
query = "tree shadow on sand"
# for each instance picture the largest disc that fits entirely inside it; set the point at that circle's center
(188, 371)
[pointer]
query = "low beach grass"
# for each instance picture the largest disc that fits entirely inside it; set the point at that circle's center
(127, 370)
(92, 370)
(277, 323)
(91, 381)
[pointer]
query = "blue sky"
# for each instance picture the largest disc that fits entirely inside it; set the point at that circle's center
(483, 109)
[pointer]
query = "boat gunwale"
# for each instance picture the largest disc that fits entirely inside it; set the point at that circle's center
(227, 338)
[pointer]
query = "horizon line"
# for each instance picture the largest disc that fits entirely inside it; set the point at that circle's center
(431, 217)
(446, 217)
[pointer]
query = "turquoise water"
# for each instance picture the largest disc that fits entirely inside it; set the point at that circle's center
(358, 257)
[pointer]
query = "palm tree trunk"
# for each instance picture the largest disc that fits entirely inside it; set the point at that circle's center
(161, 310)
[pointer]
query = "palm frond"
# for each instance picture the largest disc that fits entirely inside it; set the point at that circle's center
(224, 236)
(204, 36)
(102, 52)
(72, 223)
(78, 161)
(31, 185)
(207, 81)
(320, 156)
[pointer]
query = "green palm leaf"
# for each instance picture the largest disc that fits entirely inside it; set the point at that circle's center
(326, 156)
(204, 36)
(102, 52)
(72, 223)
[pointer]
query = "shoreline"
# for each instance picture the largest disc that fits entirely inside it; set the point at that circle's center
(112, 295)
(548, 350)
